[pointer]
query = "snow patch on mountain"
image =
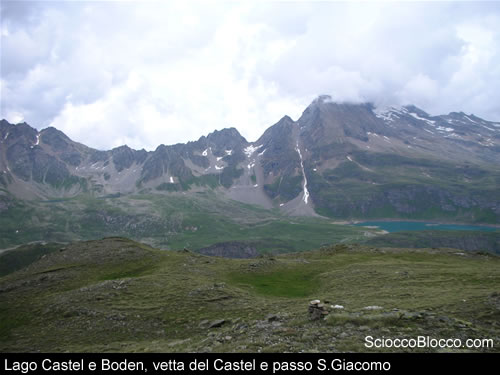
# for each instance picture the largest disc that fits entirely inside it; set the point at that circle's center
(250, 150)
(414, 115)
(386, 114)
(468, 118)
(306, 192)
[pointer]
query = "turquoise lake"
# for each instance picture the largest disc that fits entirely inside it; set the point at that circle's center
(400, 226)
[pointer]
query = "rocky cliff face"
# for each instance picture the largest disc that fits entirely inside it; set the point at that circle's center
(34, 161)
(48, 164)
(338, 159)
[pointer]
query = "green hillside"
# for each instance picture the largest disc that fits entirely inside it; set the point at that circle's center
(117, 295)
(169, 221)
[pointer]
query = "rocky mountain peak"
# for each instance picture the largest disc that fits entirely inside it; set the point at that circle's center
(286, 119)
(55, 138)
(124, 157)
(20, 133)
(331, 122)
(316, 104)
(121, 149)
(4, 124)
(230, 136)
(321, 99)
(326, 101)
(281, 132)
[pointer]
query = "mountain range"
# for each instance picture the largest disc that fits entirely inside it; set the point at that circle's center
(339, 160)
(222, 196)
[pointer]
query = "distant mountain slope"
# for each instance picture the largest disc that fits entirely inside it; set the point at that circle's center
(338, 160)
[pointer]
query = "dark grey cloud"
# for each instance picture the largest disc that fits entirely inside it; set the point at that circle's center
(144, 73)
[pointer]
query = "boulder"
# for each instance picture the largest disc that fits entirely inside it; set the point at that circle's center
(217, 323)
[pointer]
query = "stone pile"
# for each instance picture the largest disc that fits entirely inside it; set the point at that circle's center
(317, 310)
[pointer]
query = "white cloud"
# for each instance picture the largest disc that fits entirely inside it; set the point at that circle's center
(420, 90)
(165, 72)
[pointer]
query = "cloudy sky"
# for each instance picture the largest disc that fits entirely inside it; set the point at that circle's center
(109, 73)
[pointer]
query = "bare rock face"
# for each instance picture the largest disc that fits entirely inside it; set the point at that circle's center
(37, 157)
(124, 157)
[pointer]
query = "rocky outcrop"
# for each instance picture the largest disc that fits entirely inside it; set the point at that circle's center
(317, 310)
